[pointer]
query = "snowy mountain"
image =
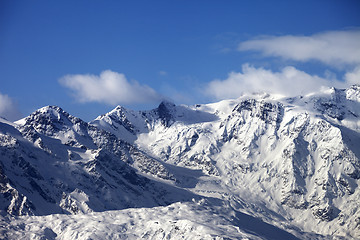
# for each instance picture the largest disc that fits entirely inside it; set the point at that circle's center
(229, 169)
(53, 162)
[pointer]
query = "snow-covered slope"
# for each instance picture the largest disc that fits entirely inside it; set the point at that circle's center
(298, 157)
(291, 162)
(204, 219)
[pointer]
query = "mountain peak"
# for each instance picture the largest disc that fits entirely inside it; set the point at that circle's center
(118, 111)
(52, 107)
(119, 108)
(165, 111)
(50, 119)
(51, 110)
(167, 104)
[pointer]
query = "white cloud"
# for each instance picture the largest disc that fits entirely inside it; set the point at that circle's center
(109, 87)
(353, 77)
(334, 47)
(8, 108)
(289, 82)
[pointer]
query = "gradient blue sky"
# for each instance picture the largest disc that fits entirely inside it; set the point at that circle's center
(53, 52)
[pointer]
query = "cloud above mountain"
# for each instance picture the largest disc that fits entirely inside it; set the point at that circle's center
(334, 48)
(289, 82)
(108, 87)
(8, 108)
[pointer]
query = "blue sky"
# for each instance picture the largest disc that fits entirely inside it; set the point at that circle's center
(89, 56)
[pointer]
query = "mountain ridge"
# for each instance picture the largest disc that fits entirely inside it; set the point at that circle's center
(290, 161)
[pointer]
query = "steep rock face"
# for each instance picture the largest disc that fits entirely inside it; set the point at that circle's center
(165, 113)
(13, 202)
(304, 158)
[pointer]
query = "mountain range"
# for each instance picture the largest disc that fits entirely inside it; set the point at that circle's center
(262, 166)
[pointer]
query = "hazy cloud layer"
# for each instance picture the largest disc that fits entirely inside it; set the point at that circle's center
(289, 82)
(8, 108)
(334, 48)
(109, 87)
